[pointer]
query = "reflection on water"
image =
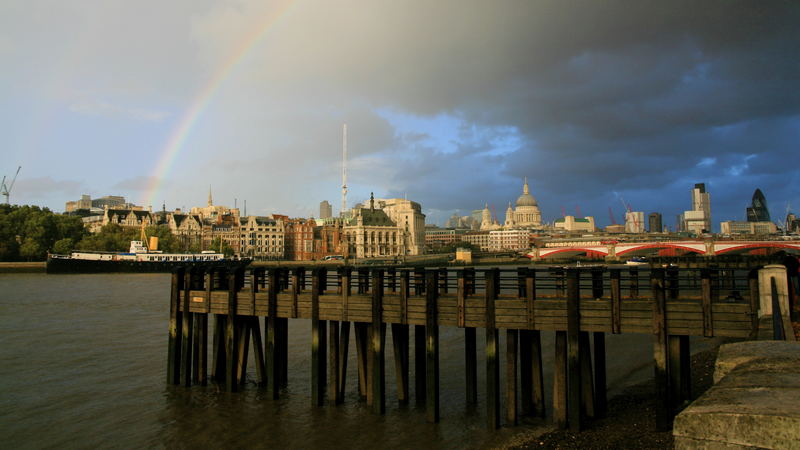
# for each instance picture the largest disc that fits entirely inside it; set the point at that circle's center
(84, 361)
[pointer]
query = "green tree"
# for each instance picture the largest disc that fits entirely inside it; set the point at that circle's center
(218, 244)
(167, 242)
(28, 232)
(30, 250)
(63, 246)
(110, 238)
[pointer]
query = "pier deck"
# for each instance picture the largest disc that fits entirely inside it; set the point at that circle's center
(578, 304)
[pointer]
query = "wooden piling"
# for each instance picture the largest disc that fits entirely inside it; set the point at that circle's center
(664, 408)
(187, 333)
(400, 343)
(616, 301)
(420, 371)
(587, 378)
(601, 397)
(344, 346)
(378, 343)
(231, 380)
(492, 353)
(471, 363)
(752, 283)
(634, 282)
(318, 344)
(333, 363)
(470, 348)
(271, 323)
(573, 350)
(362, 342)
(705, 289)
(175, 332)
(242, 348)
(560, 381)
(431, 347)
(597, 282)
(512, 349)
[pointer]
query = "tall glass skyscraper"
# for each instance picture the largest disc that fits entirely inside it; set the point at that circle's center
(758, 212)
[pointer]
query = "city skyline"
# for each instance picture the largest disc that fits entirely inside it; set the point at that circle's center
(450, 105)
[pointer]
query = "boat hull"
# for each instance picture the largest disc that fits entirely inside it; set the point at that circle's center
(68, 265)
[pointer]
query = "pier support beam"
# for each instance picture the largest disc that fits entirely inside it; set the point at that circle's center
(471, 363)
(664, 410)
(231, 356)
(573, 350)
(560, 381)
(419, 364)
(492, 353)
(187, 332)
(378, 342)
(601, 399)
(318, 344)
(432, 346)
(400, 342)
(512, 348)
(271, 342)
(175, 332)
(362, 342)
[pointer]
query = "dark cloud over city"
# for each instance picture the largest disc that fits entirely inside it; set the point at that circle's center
(448, 103)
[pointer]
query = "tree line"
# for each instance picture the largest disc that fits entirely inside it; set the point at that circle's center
(28, 233)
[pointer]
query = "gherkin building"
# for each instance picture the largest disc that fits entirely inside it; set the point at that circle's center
(758, 212)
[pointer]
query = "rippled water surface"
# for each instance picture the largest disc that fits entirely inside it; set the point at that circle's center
(83, 362)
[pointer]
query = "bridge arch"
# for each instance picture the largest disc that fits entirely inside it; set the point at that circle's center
(572, 251)
(659, 246)
(749, 246)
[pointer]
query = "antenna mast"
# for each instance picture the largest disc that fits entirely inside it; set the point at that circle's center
(344, 170)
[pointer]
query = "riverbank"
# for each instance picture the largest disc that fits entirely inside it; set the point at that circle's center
(22, 267)
(631, 418)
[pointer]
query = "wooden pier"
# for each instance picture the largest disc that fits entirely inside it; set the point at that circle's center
(581, 305)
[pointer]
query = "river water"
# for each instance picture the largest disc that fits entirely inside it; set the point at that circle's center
(83, 364)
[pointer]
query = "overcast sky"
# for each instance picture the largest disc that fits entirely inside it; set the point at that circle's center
(448, 103)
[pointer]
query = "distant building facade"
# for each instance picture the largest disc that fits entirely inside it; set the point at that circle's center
(698, 219)
(371, 233)
(754, 228)
(634, 222)
(654, 223)
(572, 223)
(262, 237)
(438, 237)
(479, 239)
(299, 239)
(86, 203)
(410, 222)
(504, 240)
(325, 210)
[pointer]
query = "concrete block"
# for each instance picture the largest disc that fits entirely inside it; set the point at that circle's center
(754, 404)
(733, 355)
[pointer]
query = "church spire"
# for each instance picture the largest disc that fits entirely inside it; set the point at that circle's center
(210, 203)
(525, 187)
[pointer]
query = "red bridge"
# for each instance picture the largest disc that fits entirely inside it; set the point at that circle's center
(621, 250)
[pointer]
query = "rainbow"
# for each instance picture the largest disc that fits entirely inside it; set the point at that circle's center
(184, 127)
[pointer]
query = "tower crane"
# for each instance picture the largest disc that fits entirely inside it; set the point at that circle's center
(6, 189)
(611, 216)
(627, 207)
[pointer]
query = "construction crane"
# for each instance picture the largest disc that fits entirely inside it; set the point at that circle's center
(344, 170)
(627, 207)
(6, 189)
(611, 216)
